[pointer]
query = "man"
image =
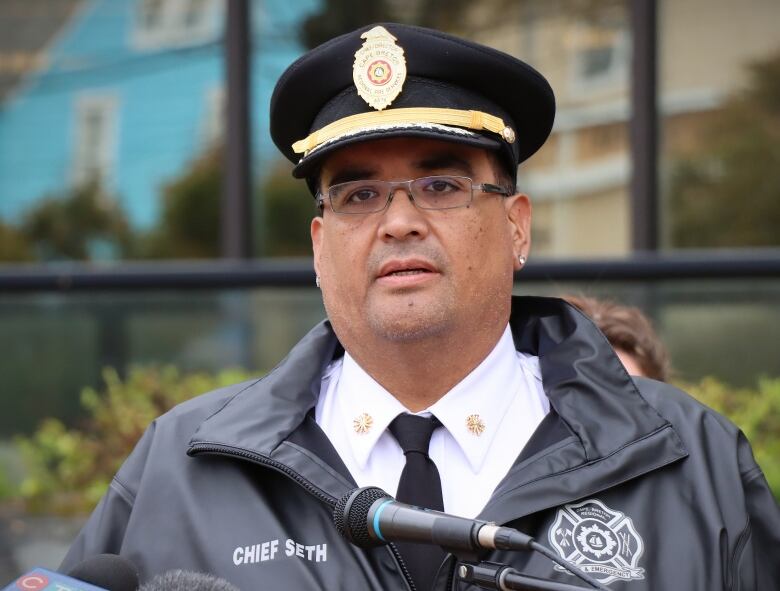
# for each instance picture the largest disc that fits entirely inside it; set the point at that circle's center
(429, 379)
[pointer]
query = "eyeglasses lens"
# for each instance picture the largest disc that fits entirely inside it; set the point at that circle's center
(433, 192)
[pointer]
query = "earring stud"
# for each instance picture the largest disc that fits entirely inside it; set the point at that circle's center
(317, 281)
(521, 259)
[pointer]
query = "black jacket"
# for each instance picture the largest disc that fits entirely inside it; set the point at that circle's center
(633, 480)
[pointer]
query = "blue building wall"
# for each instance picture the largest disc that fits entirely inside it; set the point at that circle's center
(161, 99)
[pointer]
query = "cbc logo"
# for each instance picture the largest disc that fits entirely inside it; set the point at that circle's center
(33, 582)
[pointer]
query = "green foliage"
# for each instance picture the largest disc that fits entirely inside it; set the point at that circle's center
(14, 246)
(81, 224)
(461, 17)
(728, 194)
(7, 488)
(84, 224)
(337, 17)
(68, 470)
(289, 208)
(340, 16)
(756, 412)
(189, 226)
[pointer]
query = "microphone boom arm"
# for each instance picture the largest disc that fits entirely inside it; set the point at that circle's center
(490, 575)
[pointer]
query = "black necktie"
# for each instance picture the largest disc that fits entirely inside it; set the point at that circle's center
(419, 485)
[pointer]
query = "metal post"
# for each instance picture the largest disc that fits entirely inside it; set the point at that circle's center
(235, 210)
(644, 126)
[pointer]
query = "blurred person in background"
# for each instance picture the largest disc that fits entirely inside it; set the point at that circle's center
(630, 333)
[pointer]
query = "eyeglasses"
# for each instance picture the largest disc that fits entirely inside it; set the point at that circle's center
(430, 192)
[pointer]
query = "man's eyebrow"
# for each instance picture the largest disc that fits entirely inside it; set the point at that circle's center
(351, 174)
(445, 161)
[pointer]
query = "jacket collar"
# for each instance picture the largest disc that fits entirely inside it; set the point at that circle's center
(261, 416)
(615, 433)
(582, 376)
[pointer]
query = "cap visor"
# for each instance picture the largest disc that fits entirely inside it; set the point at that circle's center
(310, 163)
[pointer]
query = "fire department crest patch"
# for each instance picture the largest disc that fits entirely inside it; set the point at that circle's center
(599, 540)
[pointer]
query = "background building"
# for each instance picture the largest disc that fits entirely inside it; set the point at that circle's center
(126, 93)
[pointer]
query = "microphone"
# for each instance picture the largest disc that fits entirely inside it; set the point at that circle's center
(370, 517)
(181, 580)
(43, 579)
(104, 572)
(107, 571)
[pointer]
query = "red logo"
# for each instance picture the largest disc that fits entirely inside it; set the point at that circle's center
(33, 582)
(379, 72)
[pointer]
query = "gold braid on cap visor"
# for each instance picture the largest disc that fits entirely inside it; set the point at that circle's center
(476, 120)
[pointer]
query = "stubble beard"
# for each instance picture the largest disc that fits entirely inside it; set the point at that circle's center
(411, 319)
(407, 320)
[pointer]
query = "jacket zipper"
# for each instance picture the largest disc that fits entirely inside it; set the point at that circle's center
(451, 578)
(298, 479)
(736, 555)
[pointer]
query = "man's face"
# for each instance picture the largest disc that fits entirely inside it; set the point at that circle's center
(405, 274)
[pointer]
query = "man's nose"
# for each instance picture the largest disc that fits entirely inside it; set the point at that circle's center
(402, 218)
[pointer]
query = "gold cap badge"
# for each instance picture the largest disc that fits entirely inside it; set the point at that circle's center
(379, 69)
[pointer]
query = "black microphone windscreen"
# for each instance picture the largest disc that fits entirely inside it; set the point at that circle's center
(351, 515)
(182, 580)
(109, 571)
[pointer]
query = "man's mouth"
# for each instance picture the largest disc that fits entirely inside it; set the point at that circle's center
(403, 268)
(402, 272)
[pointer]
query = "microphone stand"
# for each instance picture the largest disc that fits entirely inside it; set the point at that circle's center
(490, 575)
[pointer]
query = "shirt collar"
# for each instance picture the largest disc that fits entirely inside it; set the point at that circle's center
(360, 395)
(486, 392)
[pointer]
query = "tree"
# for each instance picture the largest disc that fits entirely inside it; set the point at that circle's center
(289, 209)
(340, 16)
(728, 194)
(83, 223)
(189, 226)
(14, 246)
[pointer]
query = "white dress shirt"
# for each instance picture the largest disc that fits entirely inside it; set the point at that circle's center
(504, 391)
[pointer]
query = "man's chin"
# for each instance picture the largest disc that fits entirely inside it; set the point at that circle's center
(409, 319)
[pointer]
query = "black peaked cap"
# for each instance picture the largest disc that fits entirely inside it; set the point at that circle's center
(442, 71)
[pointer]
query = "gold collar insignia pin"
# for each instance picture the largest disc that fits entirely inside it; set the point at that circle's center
(475, 425)
(362, 423)
(379, 69)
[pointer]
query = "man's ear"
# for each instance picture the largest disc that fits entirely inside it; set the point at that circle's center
(316, 241)
(518, 211)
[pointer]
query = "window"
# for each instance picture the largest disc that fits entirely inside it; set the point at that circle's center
(213, 123)
(579, 181)
(599, 57)
(195, 12)
(95, 139)
(151, 14)
(167, 23)
(720, 125)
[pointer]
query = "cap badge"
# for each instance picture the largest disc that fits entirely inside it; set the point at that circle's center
(379, 70)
